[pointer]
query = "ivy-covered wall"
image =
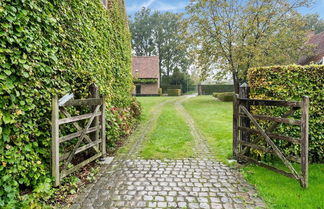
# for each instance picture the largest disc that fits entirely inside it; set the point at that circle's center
(290, 83)
(52, 47)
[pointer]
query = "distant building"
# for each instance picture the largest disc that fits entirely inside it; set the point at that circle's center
(318, 57)
(146, 75)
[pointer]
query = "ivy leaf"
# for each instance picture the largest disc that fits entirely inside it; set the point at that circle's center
(7, 72)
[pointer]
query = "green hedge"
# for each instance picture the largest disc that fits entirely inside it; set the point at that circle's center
(52, 47)
(224, 97)
(210, 89)
(291, 83)
(174, 92)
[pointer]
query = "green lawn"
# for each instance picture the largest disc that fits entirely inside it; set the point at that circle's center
(148, 104)
(214, 119)
(170, 139)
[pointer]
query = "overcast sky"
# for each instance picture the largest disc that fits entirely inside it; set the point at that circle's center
(178, 6)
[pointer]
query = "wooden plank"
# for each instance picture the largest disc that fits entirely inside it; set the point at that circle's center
(285, 173)
(267, 150)
(81, 137)
(271, 143)
(80, 165)
(77, 118)
(235, 125)
(77, 134)
(55, 141)
(103, 126)
(94, 93)
(244, 94)
(275, 119)
(304, 142)
(254, 146)
(271, 135)
(276, 124)
(80, 149)
(82, 102)
(65, 98)
(279, 103)
(76, 125)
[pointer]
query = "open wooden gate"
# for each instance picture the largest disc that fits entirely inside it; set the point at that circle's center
(242, 118)
(95, 125)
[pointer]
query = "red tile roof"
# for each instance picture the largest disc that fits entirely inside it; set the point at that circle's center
(145, 66)
(318, 41)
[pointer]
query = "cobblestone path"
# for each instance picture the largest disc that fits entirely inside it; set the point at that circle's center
(131, 182)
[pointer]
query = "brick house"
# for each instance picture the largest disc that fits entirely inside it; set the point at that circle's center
(318, 57)
(146, 75)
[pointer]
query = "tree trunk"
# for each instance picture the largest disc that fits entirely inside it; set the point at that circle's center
(236, 82)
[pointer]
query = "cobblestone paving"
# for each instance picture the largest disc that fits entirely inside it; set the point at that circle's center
(130, 182)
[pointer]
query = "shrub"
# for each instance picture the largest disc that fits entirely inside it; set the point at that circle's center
(52, 47)
(224, 97)
(291, 83)
(174, 92)
(215, 94)
(210, 89)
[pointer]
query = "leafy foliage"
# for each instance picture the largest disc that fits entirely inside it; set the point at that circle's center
(314, 23)
(159, 34)
(225, 96)
(291, 83)
(234, 35)
(210, 89)
(145, 80)
(52, 47)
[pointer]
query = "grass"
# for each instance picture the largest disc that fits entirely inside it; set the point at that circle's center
(281, 192)
(148, 103)
(170, 139)
(214, 119)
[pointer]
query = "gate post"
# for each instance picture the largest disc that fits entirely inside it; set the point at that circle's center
(94, 93)
(103, 127)
(235, 125)
(304, 141)
(244, 121)
(55, 141)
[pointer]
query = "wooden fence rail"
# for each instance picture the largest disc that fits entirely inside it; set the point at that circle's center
(95, 125)
(243, 117)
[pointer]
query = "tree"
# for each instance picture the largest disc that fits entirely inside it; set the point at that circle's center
(235, 35)
(159, 34)
(314, 23)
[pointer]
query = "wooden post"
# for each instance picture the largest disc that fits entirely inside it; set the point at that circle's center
(244, 121)
(94, 93)
(235, 125)
(55, 141)
(103, 127)
(304, 141)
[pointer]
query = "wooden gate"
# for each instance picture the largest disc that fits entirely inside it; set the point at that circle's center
(242, 118)
(95, 125)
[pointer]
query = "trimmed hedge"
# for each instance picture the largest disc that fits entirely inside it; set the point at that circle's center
(210, 89)
(174, 92)
(52, 47)
(291, 83)
(224, 97)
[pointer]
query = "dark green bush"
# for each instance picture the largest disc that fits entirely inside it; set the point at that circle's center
(210, 89)
(291, 83)
(174, 92)
(52, 47)
(225, 97)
